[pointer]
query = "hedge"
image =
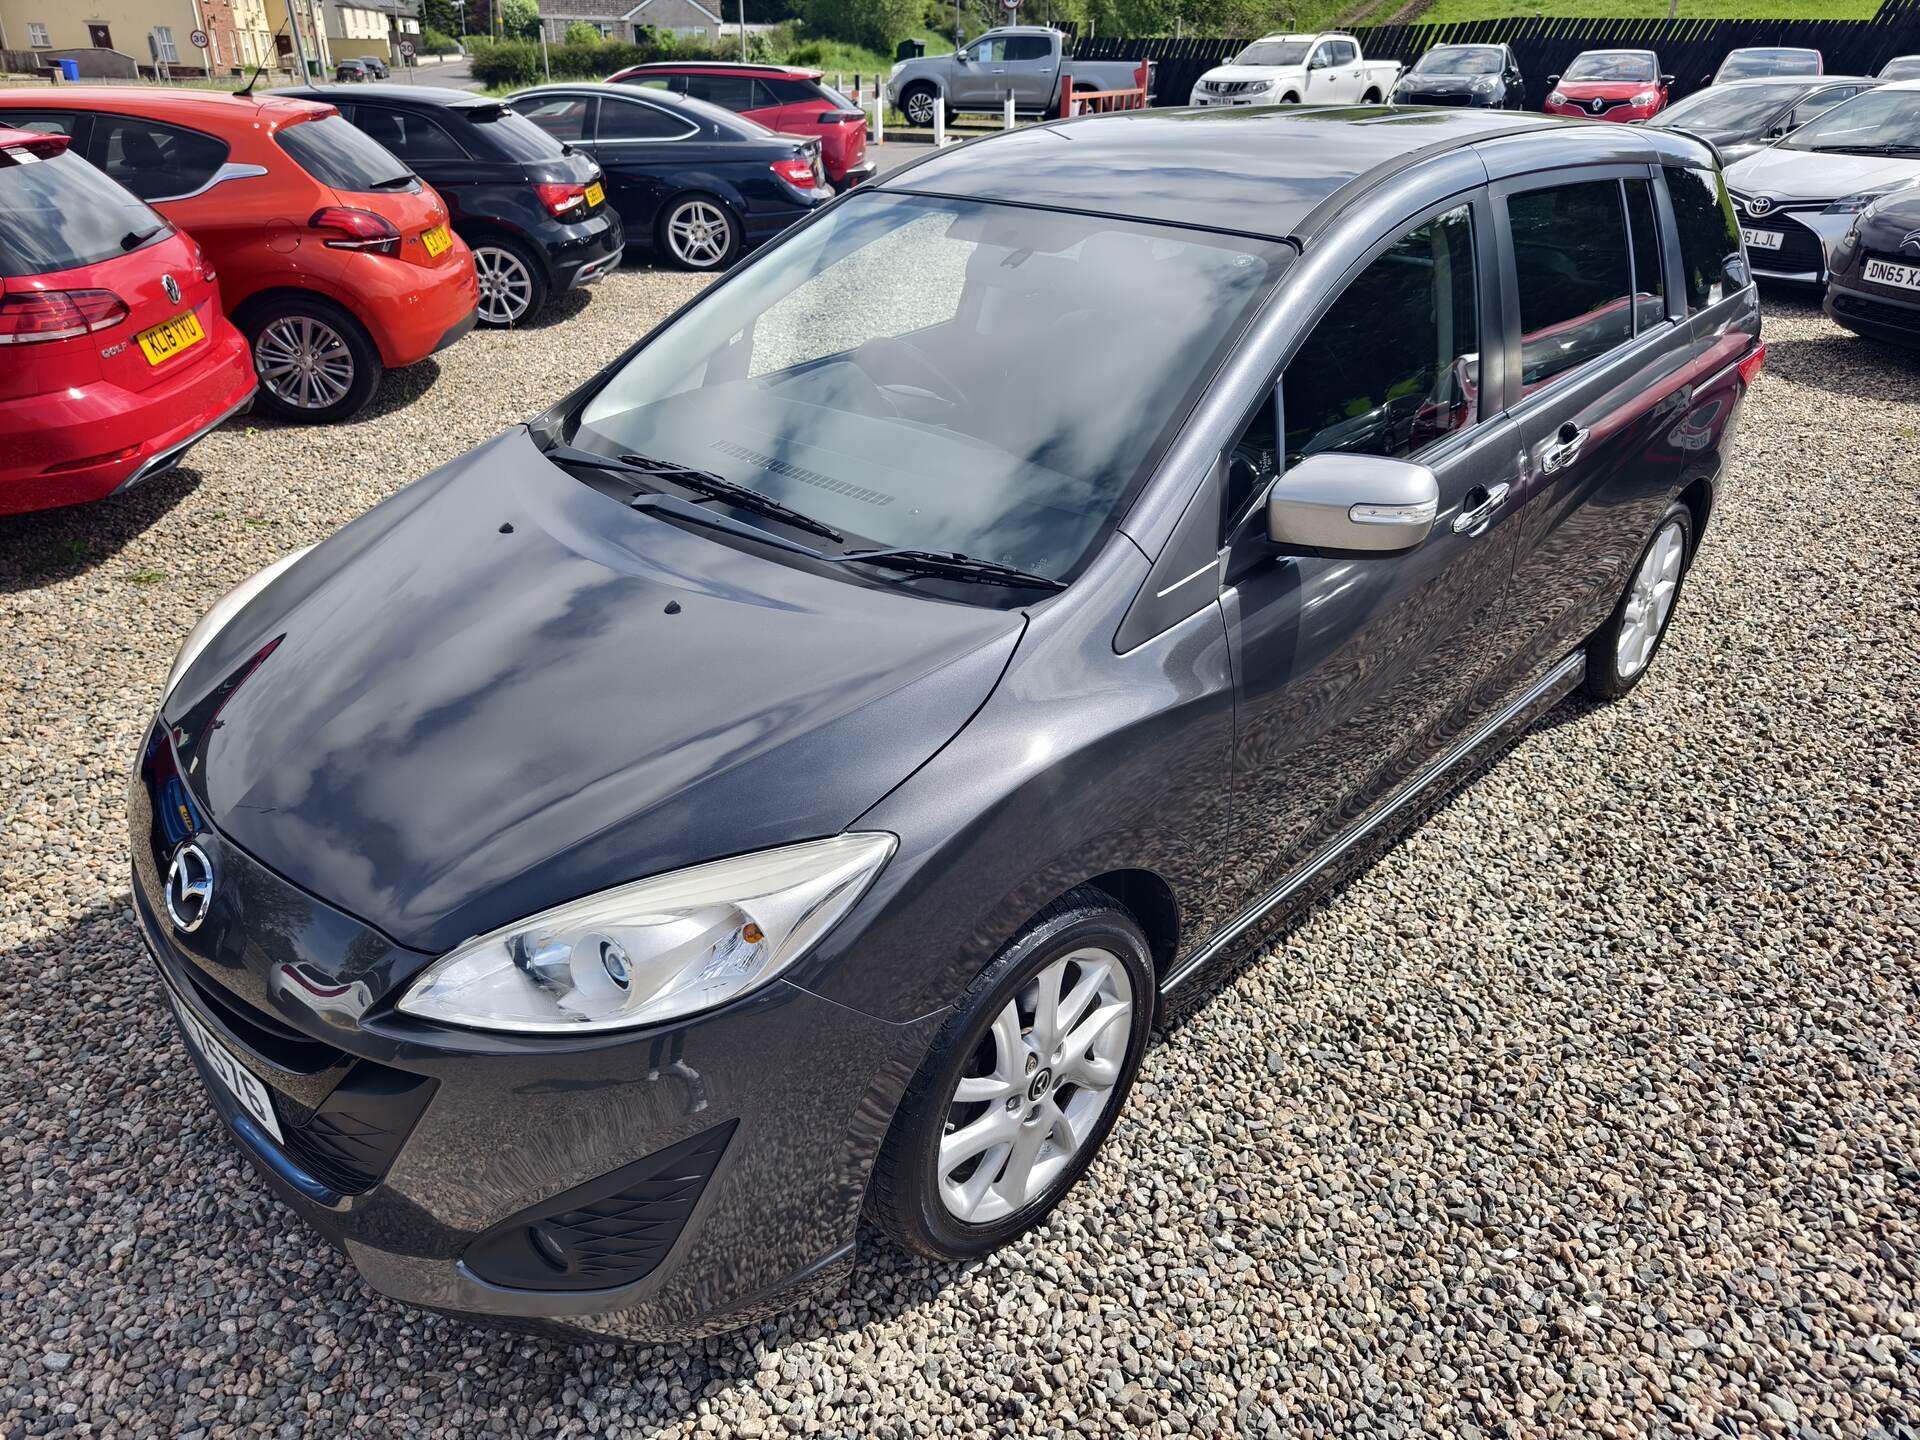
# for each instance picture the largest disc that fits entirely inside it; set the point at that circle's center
(517, 62)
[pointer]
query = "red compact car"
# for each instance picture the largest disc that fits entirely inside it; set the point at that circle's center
(114, 354)
(335, 260)
(1622, 85)
(781, 97)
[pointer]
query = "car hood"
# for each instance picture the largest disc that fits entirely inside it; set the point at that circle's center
(1251, 72)
(501, 690)
(1786, 174)
(1605, 89)
(1444, 84)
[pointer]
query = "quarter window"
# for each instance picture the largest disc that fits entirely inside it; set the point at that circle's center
(1394, 365)
(1712, 262)
(1574, 274)
(155, 161)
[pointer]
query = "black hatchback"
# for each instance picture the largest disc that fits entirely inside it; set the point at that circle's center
(1485, 77)
(533, 210)
(702, 183)
(1874, 285)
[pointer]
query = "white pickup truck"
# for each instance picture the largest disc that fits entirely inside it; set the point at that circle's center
(1324, 69)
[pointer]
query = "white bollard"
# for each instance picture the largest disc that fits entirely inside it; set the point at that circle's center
(939, 122)
(879, 112)
(1006, 114)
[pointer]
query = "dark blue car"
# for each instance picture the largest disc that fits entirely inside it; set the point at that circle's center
(701, 183)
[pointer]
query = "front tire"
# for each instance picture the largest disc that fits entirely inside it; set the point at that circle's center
(1372, 97)
(698, 232)
(1021, 1085)
(315, 363)
(1621, 650)
(918, 104)
(513, 286)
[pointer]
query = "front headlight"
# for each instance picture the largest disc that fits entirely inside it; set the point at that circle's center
(658, 949)
(1483, 86)
(1644, 99)
(1854, 204)
(1556, 98)
(224, 609)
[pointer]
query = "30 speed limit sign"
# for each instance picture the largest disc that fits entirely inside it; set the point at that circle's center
(199, 39)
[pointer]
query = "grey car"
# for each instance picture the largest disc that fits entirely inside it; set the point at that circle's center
(1740, 117)
(789, 780)
(1022, 63)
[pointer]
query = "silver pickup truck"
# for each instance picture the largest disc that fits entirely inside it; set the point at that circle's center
(1023, 61)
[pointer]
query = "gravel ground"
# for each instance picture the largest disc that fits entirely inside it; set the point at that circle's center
(1591, 1109)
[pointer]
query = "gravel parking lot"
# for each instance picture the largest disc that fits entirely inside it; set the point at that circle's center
(1591, 1108)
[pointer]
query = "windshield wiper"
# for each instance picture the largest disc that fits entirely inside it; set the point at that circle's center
(951, 565)
(1862, 149)
(134, 239)
(719, 488)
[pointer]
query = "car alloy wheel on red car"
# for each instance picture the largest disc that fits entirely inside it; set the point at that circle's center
(115, 356)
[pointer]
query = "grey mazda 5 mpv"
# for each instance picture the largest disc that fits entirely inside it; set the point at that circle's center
(787, 780)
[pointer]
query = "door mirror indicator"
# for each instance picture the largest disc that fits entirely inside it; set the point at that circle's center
(1364, 503)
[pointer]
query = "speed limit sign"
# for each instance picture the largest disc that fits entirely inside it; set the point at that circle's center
(199, 39)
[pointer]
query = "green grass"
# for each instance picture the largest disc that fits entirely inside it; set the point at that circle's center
(1447, 12)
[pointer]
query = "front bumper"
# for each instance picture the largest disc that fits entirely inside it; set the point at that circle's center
(1805, 254)
(1876, 315)
(691, 1177)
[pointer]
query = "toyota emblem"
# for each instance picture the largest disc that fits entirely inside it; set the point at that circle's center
(1759, 205)
(189, 891)
(172, 287)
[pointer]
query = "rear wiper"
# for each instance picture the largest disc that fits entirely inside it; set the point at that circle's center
(395, 182)
(134, 239)
(708, 483)
(950, 564)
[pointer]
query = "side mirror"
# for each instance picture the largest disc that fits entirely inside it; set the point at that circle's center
(1553, 80)
(1356, 503)
(963, 57)
(1666, 79)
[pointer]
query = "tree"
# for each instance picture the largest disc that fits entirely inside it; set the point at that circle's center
(439, 15)
(582, 32)
(520, 19)
(873, 23)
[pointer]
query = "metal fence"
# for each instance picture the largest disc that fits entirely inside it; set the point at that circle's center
(1689, 50)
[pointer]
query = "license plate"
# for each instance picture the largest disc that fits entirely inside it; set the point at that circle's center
(1761, 239)
(1886, 272)
(437, 240)
(241, 1082)
(170, 337)
(595, 194)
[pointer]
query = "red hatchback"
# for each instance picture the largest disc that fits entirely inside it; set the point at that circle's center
(1619, 85)
(336, 261)
(115, 356)
(781, 97)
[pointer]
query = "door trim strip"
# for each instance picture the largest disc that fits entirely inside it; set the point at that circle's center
(1549, 687)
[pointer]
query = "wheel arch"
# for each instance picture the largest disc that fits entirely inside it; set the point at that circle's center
(1698, 498)
(1151, 901)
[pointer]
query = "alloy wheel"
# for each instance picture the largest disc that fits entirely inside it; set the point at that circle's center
(1650, 600)
(700, 234)
(1036, 1086)
(506, 285)
(920, 108)
(305, 362)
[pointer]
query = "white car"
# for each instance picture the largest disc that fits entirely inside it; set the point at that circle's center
(1323, 69)
(1798, 199)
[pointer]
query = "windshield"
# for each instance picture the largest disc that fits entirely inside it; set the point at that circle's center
(1274, 52)
(1739, 108)
(338, 154)
(1879, 122)
(1602, 65)
(944, 374)
(1460, 60)
(60, 213)
(1907, 67)
(1744, 63)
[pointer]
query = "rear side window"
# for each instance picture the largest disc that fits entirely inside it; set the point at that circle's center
(1712, 263)
(564, 117)
(787, 92)
(675, 83)
(408, 134)
(60, 213)
(43, 122)
(629, 121)
(1575, 276)
(335, 153)
(155, 161)
(1028, 47)
(729, 92)
(1394, 365)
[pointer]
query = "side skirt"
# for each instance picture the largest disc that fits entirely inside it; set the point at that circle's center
(1521, 711)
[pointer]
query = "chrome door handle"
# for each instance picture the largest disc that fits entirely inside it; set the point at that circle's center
(1563, 449)
(1471, 520)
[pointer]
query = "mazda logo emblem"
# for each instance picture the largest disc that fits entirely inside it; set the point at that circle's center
(1759, 205)
(1910, 240)
(172, 287)
(189, 891)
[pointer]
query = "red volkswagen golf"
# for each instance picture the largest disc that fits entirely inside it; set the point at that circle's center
(115, 356)
(1621, 85)
(781, 97)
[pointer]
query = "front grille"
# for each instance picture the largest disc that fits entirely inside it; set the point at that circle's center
(611, 1231)
(1234, 87)
(1457, 98)
(272, 1039)
(1800, 252)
